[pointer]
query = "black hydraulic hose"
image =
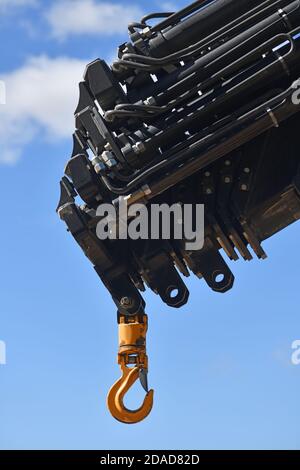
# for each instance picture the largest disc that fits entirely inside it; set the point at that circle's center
(218, 61)
(239, 27)
(233, 28)
(193, 139)
(192, 53)
(236, 90)
(124, 73)
(260, 124)
(212, 81)
(257, 77)
(159, 139)
(193, 151)
(152, 16)
(135, 25)
(231, 50)
(182, 121)
(180, 15)
(183, 34)
(241, 44)
(143, 23)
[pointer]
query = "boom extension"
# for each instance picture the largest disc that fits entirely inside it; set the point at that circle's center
(201, 107)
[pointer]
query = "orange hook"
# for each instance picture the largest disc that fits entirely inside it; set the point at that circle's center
(132, 351)
(116, 395)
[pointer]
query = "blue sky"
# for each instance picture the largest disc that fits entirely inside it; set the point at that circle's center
(221, 366)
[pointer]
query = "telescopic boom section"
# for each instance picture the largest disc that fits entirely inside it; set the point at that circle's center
(201, 107)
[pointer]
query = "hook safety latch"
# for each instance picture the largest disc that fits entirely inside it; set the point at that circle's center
(133, 361)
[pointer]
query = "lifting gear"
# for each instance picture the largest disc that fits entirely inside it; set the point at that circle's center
(201, 107)
(132, 352)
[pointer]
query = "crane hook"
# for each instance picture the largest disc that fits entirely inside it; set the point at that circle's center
(132, 351)
(116, 395)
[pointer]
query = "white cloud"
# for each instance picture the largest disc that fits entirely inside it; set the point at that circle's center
(75, 17)
(41, 98)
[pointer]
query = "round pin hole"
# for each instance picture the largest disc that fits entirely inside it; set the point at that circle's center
(172, 292)
(219, 277)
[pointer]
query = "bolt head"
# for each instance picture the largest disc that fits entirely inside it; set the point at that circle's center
(108, 147)
(138, 148)
(146, 32)
(99, 167)
(150, 101)
(111, 163)
(126, 302)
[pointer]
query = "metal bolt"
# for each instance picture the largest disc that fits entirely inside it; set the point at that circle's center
(227, 179)
(146, 32)
(244, 187)
(209, 191)
(108, 158)
(126, 302)
(150, 101)
(95, 160)
(228, 163)
(108, 146)
(247, 170)
(99, 167)
(111, 163)
(147, 191)
(138, 148)
(207, 174)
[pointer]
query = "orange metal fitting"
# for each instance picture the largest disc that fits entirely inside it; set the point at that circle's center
(132, 351)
